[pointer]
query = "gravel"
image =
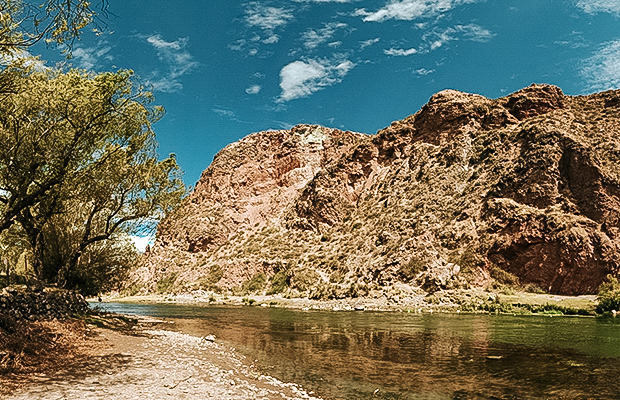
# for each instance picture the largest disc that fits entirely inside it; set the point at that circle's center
(158, 364)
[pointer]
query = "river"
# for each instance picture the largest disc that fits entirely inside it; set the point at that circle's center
(395, 355)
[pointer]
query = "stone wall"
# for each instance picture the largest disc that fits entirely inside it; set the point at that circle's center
(22, 304)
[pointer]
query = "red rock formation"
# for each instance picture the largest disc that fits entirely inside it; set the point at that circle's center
(525, 187)
(246, 188)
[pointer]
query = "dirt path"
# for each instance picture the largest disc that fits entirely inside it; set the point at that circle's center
(157, 364)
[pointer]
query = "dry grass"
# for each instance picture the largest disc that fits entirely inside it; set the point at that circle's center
(29, 349)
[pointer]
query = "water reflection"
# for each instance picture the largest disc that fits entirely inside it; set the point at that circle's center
(348, 355)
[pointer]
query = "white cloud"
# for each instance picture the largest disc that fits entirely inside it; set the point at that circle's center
(409, 9)
(271, 39)
(324, 1)
(472, 32)
(400, 52)
(302, 78)
(594, 6)
(238, 45)
(602, 70)
(90, 57)
(161, 44)
(141, 242)
(313, 38)
(23, 57)
(223, 112)
(265, 17)
(164, 84)
(369, 42)
(254, 89)
(424, 71)
(178, 61)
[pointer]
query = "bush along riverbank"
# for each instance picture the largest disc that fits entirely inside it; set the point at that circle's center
(497, 298)
(396, 298)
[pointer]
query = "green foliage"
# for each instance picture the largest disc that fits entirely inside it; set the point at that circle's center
(609, 295)
(210, 281)
(164, 285)
(503, 277)
(248, 301)
(533, 288)
(24, 23)
(358, 290)
(337, 276)
(15, 256)
(103, 266)
(131, 290)
(255, 284)
(470, 259)
(279, 282)
(552, 309)
(304, 279)
(83, 169)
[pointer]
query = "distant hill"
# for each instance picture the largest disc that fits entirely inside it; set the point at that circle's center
(469, 191)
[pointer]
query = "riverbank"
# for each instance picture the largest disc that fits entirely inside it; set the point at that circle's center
(146, 362)
(401, 298)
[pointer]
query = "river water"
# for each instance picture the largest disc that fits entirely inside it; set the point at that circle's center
(389, 355)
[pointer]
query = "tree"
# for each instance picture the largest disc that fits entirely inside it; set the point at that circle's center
(102, 266)
(14, 250)
(132, 192)
(81, 144)
(24, 23)
(609, 295)
(78, 163)
(59, 123)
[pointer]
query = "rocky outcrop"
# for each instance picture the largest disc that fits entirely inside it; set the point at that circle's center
(469, 190)
(247, 187)
(41, 304)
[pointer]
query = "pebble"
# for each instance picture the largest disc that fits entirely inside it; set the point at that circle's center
(163, 364)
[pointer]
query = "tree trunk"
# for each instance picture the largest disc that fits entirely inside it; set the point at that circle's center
(34, 233)
(67, 268)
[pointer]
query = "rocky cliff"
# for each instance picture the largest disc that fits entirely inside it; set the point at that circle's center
(524, 189)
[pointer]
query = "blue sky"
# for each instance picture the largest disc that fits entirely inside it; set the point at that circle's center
(226, 68)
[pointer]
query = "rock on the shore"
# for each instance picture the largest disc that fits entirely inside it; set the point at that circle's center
(46, 303)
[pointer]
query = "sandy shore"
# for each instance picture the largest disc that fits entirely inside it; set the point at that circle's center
(153, 363)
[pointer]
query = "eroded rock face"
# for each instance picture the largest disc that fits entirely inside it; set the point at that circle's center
(247, 187)
(522, 188)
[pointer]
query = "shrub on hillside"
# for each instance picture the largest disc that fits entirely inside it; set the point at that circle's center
(255, 284)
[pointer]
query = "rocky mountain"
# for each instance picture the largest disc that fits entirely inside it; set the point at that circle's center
(469, 191)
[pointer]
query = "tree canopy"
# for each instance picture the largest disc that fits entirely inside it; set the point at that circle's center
(81, 144)
(24, 23)
(79, 169)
